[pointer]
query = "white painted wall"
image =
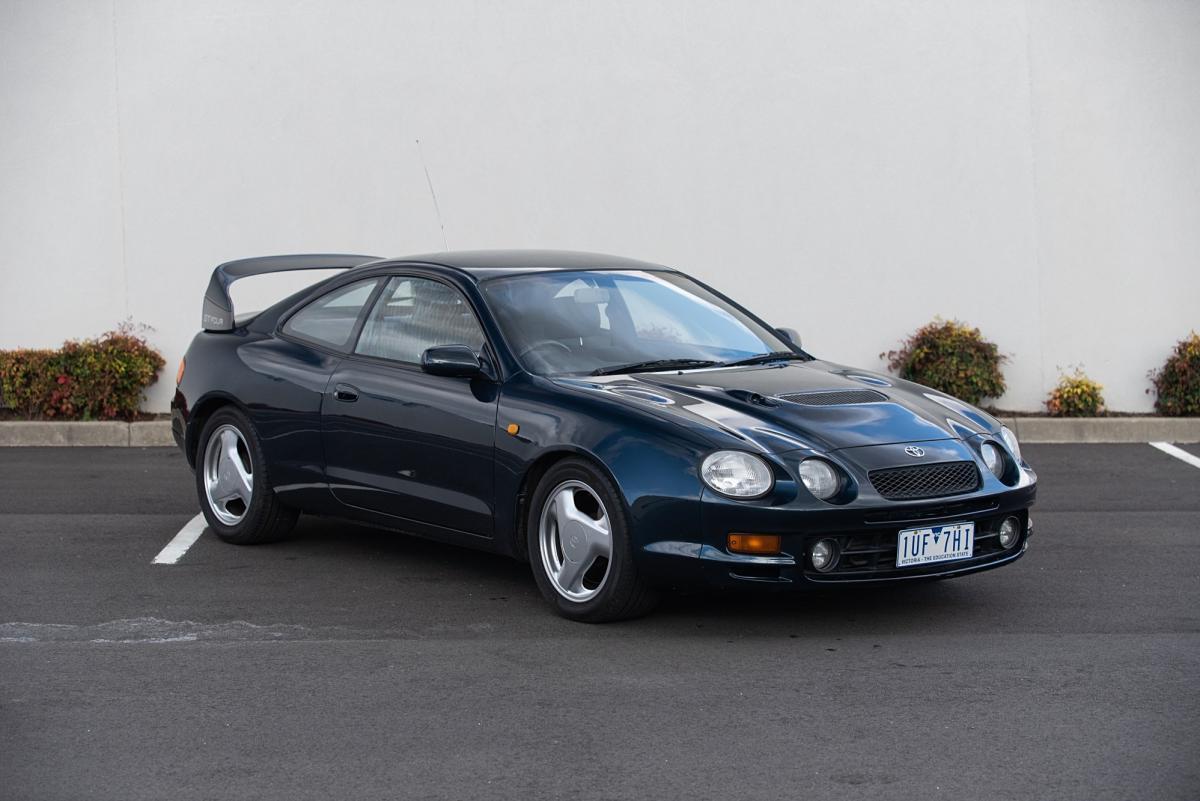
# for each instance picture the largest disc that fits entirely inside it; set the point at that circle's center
(848, 168)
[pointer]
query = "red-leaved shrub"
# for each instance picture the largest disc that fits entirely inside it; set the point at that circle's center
(89, 379)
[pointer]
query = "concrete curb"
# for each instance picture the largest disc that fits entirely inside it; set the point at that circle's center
(155, 433)
(109, 434)
(1062, 430)
(1033, 430)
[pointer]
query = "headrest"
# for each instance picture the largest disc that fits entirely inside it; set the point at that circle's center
(431, 293)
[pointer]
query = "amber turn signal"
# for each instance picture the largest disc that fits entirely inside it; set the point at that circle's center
(179, 372)
(513, 428)
(759, 544)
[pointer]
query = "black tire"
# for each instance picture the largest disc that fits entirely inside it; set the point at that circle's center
(265, 518)
(624, 593)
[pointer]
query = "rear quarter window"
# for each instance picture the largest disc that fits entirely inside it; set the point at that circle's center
(330, 319)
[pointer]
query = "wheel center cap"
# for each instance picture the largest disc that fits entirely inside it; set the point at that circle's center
(574, 542)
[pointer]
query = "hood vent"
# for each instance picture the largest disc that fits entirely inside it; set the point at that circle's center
(836, 397)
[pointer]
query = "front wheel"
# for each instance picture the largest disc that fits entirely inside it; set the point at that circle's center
(579, 548)
(233, 483)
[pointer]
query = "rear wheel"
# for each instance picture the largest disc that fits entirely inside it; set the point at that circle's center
(579, 548)
(233, 484)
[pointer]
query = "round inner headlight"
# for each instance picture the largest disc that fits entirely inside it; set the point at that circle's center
(1010, 439)
(1010, 531)
(824, 555)
(737, 474)
(992, 458)
(820, 478)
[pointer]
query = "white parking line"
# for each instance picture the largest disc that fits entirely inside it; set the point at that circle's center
(1178, 453)
(179, 545)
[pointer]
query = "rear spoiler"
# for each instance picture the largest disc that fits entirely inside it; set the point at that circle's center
(218, 306)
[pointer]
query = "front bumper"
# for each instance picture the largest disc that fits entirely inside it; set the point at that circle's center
(867, 536)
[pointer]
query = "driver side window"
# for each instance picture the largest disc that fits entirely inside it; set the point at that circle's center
(415, 314)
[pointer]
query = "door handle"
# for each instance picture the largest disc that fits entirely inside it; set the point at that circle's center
(345, 393)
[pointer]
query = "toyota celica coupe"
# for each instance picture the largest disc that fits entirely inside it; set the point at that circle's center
(618, 424)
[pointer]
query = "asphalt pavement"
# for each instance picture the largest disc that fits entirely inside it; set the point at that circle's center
(351, 663)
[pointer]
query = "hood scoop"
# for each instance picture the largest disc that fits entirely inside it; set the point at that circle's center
(836, 397)
(746, 396)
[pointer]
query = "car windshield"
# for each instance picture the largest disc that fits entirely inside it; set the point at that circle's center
(596, 322)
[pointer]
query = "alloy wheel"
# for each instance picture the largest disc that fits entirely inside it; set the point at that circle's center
(575, 538)
(228, 475)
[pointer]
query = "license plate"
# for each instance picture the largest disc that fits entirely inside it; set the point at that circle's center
(923, 546)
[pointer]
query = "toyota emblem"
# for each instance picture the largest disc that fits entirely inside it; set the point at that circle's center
(913, 450)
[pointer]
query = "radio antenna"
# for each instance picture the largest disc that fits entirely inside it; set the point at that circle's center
(436, 209)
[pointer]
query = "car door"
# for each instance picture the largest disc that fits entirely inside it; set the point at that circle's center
(400, 441)
(288, 377)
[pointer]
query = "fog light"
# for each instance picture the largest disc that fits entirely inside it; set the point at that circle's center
(760, 544)
(824, 555)
(1010, 532)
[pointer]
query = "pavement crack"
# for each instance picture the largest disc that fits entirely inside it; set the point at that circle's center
(151, 630)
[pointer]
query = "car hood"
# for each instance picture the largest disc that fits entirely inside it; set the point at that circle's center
(787, 406)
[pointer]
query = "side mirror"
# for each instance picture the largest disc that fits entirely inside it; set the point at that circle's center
(455, 361)
(790, 334)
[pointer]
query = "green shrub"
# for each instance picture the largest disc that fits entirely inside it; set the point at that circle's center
(952, 357)
(90, 379)
(1177, 382)
(1075, 396)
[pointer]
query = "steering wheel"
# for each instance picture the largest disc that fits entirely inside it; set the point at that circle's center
(544, 343)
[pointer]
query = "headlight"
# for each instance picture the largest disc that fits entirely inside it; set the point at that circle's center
(820, 478)
(1010, 439)
(992, 458)
(737, 474)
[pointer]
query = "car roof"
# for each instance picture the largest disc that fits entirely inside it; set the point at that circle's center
(484, 264)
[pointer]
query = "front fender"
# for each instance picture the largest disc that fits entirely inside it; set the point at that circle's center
(655, 464)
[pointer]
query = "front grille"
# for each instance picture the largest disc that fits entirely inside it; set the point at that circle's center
(837, 397)
(925, 481)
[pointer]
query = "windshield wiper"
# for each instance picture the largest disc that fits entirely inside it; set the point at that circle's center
(773, 356)
(654, 364)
